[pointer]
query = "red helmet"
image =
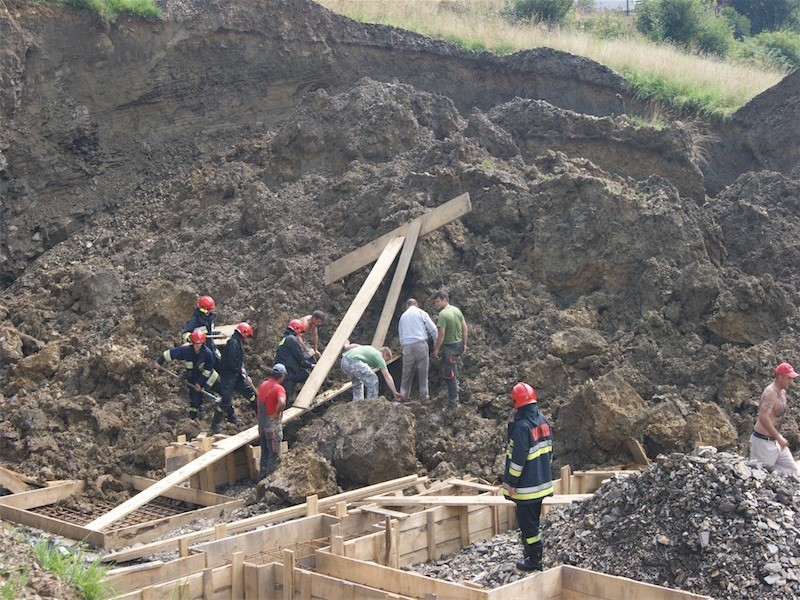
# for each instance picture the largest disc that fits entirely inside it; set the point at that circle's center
(206, 304)
(523, 394)
(245, 329)
(198, 336)
(297, 326)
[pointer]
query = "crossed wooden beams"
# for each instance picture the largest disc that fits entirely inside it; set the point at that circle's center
(384, 249)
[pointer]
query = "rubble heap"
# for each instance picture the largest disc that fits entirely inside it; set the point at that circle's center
(711, 523)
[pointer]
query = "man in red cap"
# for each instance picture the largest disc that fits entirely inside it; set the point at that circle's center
(767, 445)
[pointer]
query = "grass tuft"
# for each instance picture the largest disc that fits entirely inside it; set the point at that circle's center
(72, 568)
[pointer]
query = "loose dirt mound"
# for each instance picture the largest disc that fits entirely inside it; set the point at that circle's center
(236, 149)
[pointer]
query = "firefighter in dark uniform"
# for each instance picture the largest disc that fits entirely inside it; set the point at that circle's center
(203, 318)
(199, 364)
(528, 478)
(292, 354)
(233, 377)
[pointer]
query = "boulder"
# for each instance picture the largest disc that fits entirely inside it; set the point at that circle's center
(163, 306)
(709, 424)
(10, 344)
(367, 441)
(576, 343)
(41, 365)
(94, 287)
(301, 472)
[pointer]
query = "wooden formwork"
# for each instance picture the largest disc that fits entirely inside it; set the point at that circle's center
(174, 508)
(359, 555)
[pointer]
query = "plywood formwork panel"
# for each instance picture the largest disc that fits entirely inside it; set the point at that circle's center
(582, 583)
(141, 576)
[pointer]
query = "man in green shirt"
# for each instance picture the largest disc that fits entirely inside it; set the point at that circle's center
(358, 362)
(452, 341)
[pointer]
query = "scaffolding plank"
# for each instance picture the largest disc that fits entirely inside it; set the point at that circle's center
(347, 324)
(12, 482)
(349, 263)
(397, 284)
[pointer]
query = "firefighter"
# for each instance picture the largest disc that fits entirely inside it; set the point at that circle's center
(199, 370)
(203, 318)
(528, 478)
(291, 353)
(233, 377)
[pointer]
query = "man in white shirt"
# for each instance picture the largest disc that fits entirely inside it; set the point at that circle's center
(414, 329)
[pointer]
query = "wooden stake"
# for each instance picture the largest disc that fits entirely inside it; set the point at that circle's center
(311, 505)
(237, 575)
(431, 534)
(220, 531)
(183, 547)
(288, 574)
(566, 483)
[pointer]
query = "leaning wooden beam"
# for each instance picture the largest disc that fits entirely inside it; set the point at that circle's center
(284, 514)
(348, 324)
(397, 284)
(444, 214)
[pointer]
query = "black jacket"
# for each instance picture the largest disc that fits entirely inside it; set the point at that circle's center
(232, 357)
(528, 456)
(204, 321)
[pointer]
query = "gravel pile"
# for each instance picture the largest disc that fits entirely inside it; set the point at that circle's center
(710, 523)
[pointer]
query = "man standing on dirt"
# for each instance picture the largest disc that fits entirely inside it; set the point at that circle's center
(292, 354)
(312, 324)
(528, 478)
(767, 445)
(233, 377)
(198, 362)
(452, 341)
(415, 329)
(271, 402)
(357, 363)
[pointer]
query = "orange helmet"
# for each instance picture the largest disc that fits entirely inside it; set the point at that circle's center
(245, 329)
(297, 326)
(206, 304)
(198, 336)
(523, 394)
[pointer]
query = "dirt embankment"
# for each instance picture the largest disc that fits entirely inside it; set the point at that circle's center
(235, 149)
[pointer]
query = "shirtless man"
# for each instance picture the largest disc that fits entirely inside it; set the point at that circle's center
(311, 323)
(767, 445)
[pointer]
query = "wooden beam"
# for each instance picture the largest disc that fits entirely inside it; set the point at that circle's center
(487, 500)
(219, 450)
(12, 482)
(397, 285)
(447, 212)
(639, 455)
(347, 324)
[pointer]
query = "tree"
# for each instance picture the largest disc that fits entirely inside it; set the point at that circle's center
(768, 15)
(552, 12)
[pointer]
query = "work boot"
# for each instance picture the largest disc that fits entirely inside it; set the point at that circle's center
(533, 558)
(232, 419)
(215, 428)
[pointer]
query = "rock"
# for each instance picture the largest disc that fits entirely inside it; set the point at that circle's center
(94, 287)
(163, 306)
(293, 483)
(43, 364)
(575, 343)
(367, 441)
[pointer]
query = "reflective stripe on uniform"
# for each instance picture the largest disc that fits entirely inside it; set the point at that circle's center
(532, 540)
(535, 492)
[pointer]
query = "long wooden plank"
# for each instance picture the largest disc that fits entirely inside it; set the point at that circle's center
(486, 500)
(42, 497)
(249, 523)
(219, 450)
(442, 215)
(348, 324)
(397, 284)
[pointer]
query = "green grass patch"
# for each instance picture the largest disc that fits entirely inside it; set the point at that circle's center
(12, 582)
(72, 568)
(110, 9)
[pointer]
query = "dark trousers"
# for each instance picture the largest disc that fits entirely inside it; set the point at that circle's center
(227, 386)
(270, 439)
(195, 403)
(528, 519)
(289, 383)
